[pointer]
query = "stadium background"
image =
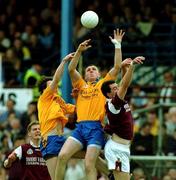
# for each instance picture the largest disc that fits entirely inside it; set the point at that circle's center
(35, 35)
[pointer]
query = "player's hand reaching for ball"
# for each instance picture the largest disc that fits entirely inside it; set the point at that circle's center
(126, 62)
(118, 35)
(138, 60)
(68, 57)
(84, 45)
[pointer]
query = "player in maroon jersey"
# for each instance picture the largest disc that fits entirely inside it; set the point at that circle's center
(120, 126)
(14, 172)
(33, 164)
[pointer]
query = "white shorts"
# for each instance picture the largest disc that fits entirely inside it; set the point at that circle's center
(114, 152)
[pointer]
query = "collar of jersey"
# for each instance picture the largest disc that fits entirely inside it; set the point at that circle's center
(32, 144)
(92, 83)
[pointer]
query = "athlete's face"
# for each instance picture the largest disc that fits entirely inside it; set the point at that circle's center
(34, 133)
(114, 89)
(91, 74)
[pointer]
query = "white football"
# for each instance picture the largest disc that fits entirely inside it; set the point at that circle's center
(89, 19)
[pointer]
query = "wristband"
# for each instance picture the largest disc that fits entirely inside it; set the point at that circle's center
(116, 43)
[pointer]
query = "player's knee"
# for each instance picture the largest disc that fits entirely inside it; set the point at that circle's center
(63, 157)
(89, 166)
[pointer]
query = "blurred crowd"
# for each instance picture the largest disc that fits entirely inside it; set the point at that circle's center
(30, 33)
(30, 41)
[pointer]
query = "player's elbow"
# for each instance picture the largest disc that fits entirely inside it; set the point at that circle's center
(114, 72)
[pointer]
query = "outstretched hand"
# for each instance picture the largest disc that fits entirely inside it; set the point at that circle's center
(69, 57)
(118, 35)
(139, 60)
(126, 62)
(84, 45)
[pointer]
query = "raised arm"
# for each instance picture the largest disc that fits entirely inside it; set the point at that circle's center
(59, 71)
(126, 80)
(74, 74)
(118, 35)
(124, 66)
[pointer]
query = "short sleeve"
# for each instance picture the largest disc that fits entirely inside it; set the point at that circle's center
(47, 93)
(108, 77)
(18, 152)
(78, 84)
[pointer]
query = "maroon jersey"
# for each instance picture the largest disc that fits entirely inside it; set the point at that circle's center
(120, 118)
(33, 165)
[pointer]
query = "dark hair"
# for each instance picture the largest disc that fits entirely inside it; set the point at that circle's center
(43, 83)
(105, 87)
(31, 124)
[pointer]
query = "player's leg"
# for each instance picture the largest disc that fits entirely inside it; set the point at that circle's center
(72, 145)
(92, 154)
(94, 136)
(69, 148)
(121, 175)
(79, 155)
(51, 165)
(50, 148)
(101, 166)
